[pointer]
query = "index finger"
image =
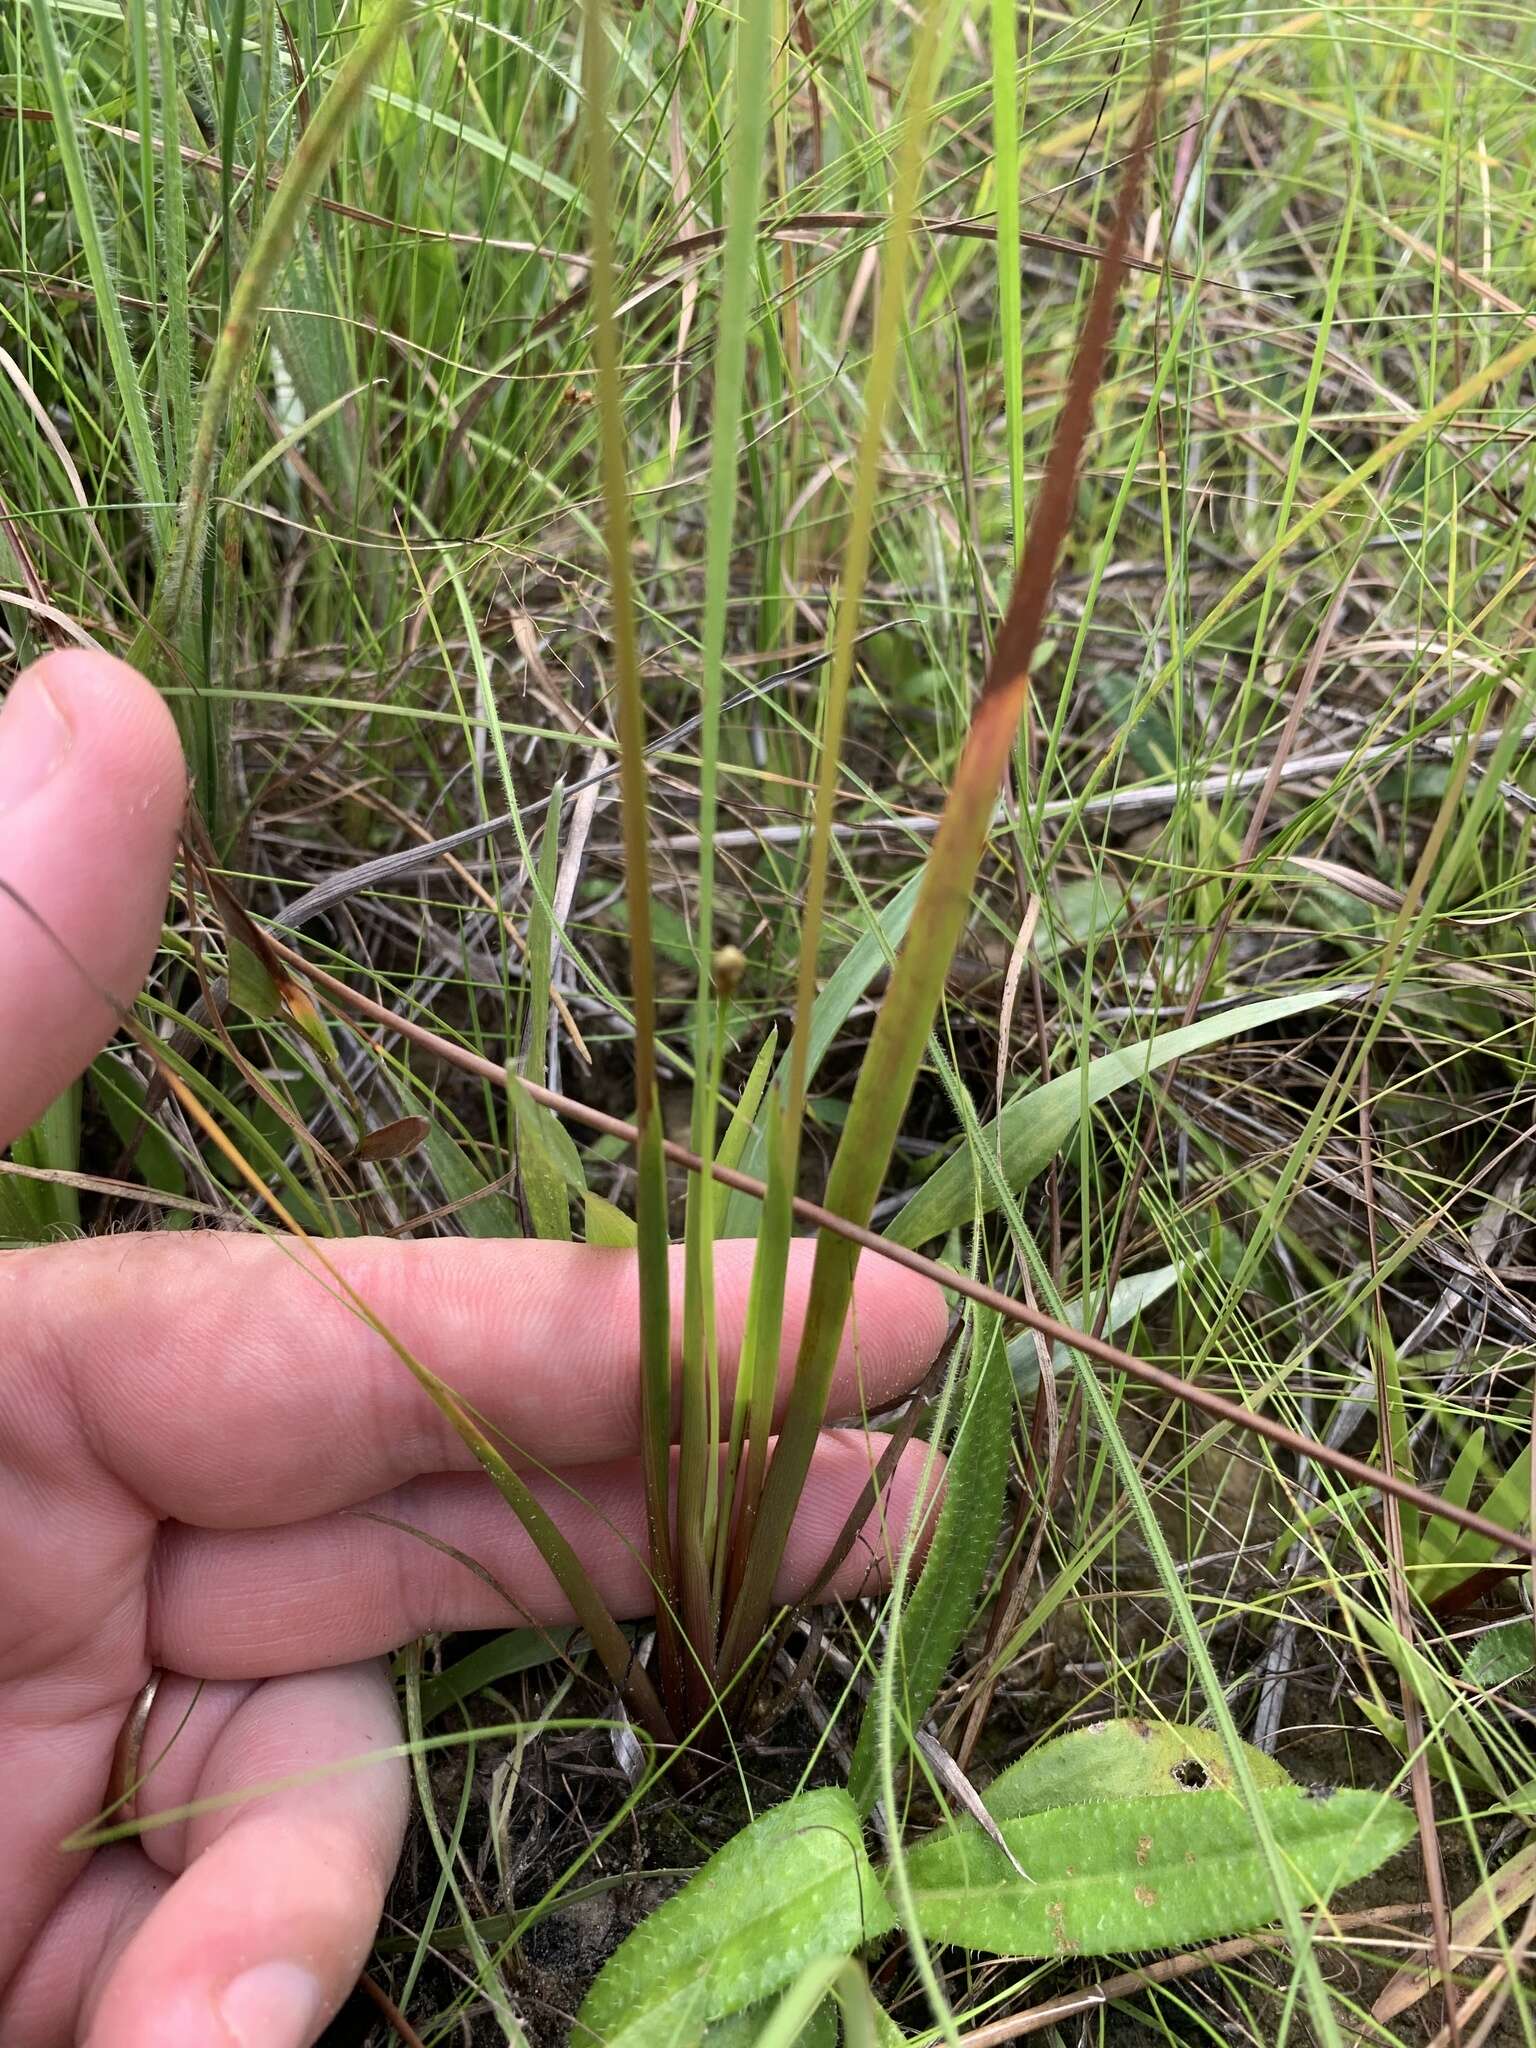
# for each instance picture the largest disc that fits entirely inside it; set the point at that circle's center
(221, 1378)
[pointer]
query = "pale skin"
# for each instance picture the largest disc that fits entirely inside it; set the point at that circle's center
(188, 1424)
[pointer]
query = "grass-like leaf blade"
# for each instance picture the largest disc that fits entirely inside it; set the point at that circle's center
(1034, 1127)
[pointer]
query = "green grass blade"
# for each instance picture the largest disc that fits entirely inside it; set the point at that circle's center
(104, 281)
(651, 1180)
(155, 648)
(879, 386)
(943, 904)
(699, 1466)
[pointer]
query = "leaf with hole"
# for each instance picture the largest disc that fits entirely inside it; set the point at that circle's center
(1121, 1760)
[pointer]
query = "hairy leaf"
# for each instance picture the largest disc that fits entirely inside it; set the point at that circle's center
(944, 1598)
(1119, 1875)
(1121, 1760)
(1502, 1657)
(793, 1886)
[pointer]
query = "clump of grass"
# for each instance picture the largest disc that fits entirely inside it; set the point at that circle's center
(1296, 593)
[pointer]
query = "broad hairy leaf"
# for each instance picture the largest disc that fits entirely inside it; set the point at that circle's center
(1503, 1656)
(1121, 1760)
(1114, 1876)
(943, 1601)
(795, 1885)
(1034, 1127)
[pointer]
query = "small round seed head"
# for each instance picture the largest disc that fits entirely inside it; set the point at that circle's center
(726, 969)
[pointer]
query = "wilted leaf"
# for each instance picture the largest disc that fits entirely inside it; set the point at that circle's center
(1118, 1875)
(1473, 1921)
(795, 1885)
(1121, 1760)
(1035, 1126)
(397, 1140)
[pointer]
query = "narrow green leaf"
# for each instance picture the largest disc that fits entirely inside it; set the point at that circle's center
(943, 1601)
(1508, 1503)
(156, 1160)
(251, 987)
(1132, 1294)
(546, 1158)
(466, 136)
(846, 986)
(53, 1144)
(1121, 1875)
(774, 2027)
(902, 1028)
(757, 1376)
(1453, 1723)
(742, 1128)
(482, 1214)
(1438, 1539)
(154, 646)
(650, 1164)
(541, 943)
(105, 286)
(794, 1886)
(505, 1656)
(1034, 1127)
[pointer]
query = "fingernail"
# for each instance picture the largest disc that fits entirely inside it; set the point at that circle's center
(35, 736)
(276, 2005)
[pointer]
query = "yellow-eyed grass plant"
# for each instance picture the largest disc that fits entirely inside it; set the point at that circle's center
(730, 1538)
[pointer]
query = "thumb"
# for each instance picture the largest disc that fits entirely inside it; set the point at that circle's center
(91, 794)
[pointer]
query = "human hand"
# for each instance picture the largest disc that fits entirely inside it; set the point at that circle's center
(185, 1423)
